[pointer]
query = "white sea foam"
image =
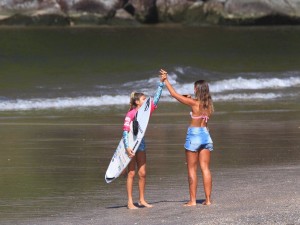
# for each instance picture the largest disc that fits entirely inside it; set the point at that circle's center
(252, 96)
(241, 84)
(254, 84)
(60, 103)
(227, 85)
(86, 102)
(222, 90)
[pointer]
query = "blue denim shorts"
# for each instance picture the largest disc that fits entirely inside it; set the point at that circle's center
(142, 146)
(198, 138)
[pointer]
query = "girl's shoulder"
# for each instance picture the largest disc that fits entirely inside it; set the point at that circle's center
(131, 113)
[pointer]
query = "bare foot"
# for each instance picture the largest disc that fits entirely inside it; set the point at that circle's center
(131, 206)
(206, 203)
(145, 204)
(190, 204)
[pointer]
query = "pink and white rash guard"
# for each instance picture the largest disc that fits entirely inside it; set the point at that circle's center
(131, 114)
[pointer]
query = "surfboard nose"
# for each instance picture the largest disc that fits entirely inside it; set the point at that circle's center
(109, 179)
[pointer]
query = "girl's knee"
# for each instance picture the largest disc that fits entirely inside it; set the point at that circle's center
(142, 174)
(205, 171)
(204, 166)
(131, 173)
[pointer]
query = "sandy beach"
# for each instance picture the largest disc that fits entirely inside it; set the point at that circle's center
(264, 195)
(255, 168)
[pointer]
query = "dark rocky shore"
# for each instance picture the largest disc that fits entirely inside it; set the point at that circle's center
(138, 12)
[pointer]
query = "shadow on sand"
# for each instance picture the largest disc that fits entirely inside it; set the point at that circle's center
(200, 201)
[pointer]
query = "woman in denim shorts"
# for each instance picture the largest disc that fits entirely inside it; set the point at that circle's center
(198, 143)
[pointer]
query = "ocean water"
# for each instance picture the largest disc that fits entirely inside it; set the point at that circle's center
(88, 68)
(64, 93)
(263, 87)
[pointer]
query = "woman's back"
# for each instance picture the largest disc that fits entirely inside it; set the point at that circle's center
(199, 116)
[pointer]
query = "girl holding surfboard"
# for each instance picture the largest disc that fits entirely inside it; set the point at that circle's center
(198, 143)
(139, 158)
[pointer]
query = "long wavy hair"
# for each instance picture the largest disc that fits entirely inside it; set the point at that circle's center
(203, 95)
(134, 96)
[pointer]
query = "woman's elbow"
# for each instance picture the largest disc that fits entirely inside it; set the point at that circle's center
(173, 95)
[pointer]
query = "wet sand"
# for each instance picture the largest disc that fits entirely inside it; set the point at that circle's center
(61, 164)
(264, 195)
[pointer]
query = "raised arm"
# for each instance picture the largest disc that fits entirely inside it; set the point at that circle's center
(181, 98)
(158, 93)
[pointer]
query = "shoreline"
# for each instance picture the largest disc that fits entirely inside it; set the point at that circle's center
(240, 196)
(166, 25)
(53, 172)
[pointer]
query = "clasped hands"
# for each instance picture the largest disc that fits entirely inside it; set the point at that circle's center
(163, 75)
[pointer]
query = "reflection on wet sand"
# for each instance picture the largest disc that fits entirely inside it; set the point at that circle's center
(56, 167)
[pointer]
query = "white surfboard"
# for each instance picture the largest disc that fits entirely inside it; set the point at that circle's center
(120, 159)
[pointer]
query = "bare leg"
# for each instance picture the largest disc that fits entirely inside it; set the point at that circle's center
(124, 173)
(141, 163)
(204, 159)
(192, 165)
(130, 177)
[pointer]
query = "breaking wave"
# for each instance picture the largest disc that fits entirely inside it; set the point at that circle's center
(240, 89)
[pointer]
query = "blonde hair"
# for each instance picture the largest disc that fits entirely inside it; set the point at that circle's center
(134, 96)
(203, 95)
